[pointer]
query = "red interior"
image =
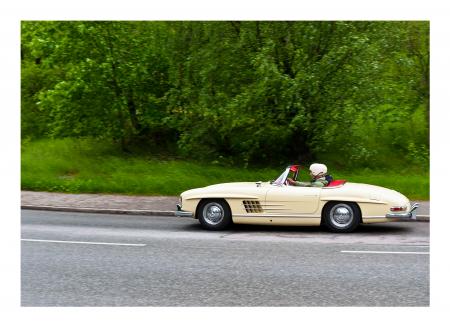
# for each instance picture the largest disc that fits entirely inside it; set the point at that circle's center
(336, 182)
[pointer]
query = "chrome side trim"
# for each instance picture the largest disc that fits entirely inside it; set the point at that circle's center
(326, 199)
(221, 195)
(277, 216)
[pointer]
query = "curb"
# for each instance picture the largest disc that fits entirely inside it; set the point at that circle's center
(425, 218)
(106, 211)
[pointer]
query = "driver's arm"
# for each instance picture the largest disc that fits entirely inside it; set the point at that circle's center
(295, 183)
(303, 184)
(317, 183)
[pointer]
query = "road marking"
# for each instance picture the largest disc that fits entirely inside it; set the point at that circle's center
(385, 252)
(417, 246)
(400, 245)
(76, 242)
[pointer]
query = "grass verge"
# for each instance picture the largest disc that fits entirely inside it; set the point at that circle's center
(88, 166)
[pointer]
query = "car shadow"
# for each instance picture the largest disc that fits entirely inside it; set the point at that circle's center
(390, 228)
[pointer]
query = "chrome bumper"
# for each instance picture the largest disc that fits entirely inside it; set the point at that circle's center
(182, 213)
(411, 215)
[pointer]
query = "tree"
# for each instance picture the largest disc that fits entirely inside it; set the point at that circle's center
(113, 82)
(239, 92)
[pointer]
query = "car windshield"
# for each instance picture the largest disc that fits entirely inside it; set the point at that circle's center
(282, 178)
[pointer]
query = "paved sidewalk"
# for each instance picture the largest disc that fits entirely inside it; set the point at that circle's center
(148, 205)
(106, 203)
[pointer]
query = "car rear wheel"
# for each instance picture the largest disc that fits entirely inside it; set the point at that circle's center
(214, 214)
(341, 217)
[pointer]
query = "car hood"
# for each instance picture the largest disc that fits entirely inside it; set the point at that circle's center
(241, 189)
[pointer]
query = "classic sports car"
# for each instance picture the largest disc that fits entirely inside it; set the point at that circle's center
(340, 206)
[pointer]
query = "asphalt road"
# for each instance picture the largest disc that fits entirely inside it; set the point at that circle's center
(76, 259)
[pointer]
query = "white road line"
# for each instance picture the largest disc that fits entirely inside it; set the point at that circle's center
(74, 242)
(385, 252)
(416, 246)
(398, 245)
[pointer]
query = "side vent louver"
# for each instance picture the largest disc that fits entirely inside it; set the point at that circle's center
(252, 206)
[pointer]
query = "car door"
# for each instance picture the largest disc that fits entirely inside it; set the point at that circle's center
(292, 200)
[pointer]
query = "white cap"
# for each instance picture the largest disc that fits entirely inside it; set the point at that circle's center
(318, 169)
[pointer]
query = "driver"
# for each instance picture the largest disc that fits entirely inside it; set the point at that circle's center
(317, 171)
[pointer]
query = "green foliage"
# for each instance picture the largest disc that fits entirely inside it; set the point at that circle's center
(354, 94)
(112, 82)
(91, 166)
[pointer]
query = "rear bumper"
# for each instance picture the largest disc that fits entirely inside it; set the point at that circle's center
(411, 215)
(182, 213)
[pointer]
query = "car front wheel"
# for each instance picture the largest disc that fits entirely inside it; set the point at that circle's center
(341, 217)
(214, 214)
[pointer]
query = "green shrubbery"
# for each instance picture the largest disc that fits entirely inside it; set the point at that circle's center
(92, 166)
(352, 94)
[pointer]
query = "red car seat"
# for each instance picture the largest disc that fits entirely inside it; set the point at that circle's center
(336, 182)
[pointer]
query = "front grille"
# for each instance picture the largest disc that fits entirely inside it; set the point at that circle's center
(252, 206)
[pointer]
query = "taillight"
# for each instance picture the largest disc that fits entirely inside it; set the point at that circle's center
(399, 208)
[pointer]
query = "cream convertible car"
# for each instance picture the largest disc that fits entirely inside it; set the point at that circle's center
(340, 206)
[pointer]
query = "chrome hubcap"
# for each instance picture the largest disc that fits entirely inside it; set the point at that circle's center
(213, 213)
(341, 215)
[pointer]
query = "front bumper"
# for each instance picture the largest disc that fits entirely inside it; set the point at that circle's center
(182, 213)
(411, 215)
